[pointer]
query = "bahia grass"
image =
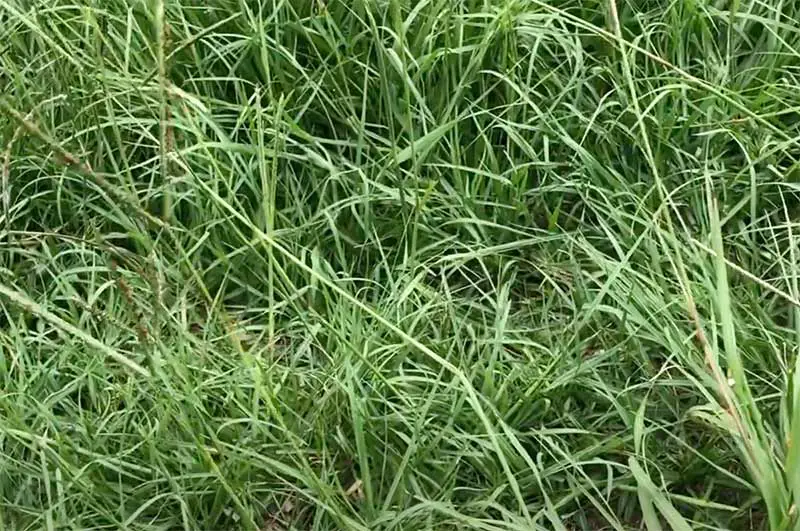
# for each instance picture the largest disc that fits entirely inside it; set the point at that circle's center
(391, 264)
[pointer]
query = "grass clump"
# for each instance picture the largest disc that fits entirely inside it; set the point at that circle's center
(399, 265)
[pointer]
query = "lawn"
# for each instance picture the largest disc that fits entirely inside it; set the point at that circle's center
(399, 264)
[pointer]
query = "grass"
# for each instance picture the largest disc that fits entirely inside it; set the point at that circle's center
(442, 264)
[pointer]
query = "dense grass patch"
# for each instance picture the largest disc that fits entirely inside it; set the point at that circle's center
(391, 264)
